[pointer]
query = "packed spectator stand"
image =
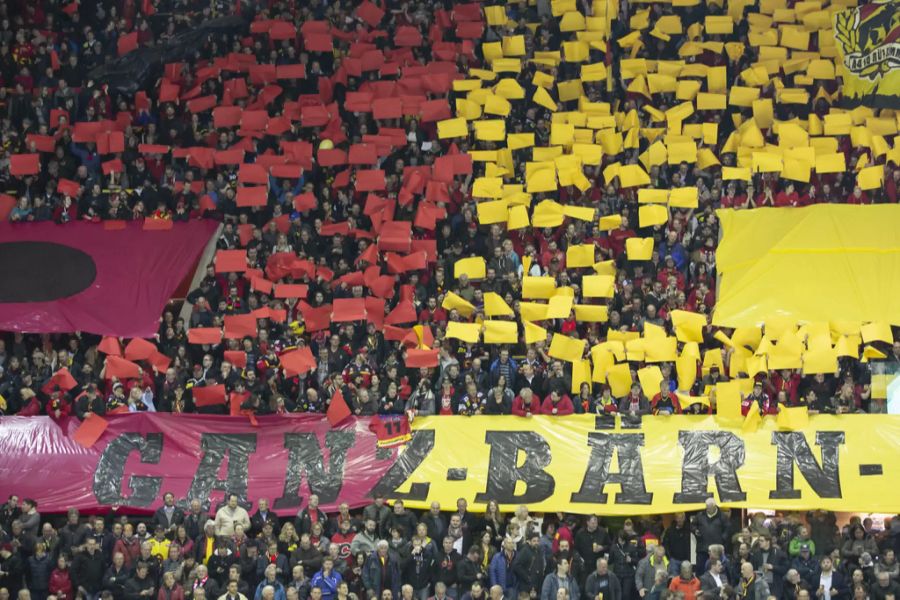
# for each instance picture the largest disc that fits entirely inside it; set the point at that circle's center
(324, 221)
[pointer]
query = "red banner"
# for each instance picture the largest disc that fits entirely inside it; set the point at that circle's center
(98, 278)
(140, 457)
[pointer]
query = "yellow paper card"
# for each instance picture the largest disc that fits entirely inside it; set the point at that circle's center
(652, 214)
(580, 255)
(467, 332)
(534, 333)
(639, 248)
(685, 197)
(598, 286)
(619, 379)
(473, 267)
(501, 332)
(538, 287)
(591, 313)
(496, 306)
(450, 128)
(566, 348)
(688, 325)
(454, 301)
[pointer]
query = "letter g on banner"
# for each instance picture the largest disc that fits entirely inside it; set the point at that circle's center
(111, 469)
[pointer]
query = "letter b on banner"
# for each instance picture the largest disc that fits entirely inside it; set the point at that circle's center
(504, 471)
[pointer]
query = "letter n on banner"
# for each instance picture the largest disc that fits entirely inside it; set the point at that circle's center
(825, 480)
(306, 455)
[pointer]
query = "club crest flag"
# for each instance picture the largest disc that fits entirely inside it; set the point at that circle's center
(868, 42)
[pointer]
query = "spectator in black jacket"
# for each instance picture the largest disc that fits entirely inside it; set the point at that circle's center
(419, 569)
(711, 527)
(445, 566)
(39, 568)
(168, 516)
(530, 565)
(312, 513)
(11, 568)
(592, 541)
(884, 587)
(404, 519)
(117, 575)
(220, 562)
(141, 586)
(469, 570)
(262, 516)
(88, 569)
(772, 563)
(677, 538)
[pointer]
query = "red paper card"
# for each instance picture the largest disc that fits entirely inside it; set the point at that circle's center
(204, 335)
(138, 349)
(348, 309)
(121, 368)
(421, 358)
(231, 261)
(24, 164)
(90, 431)
(208, 396)
(236, 357)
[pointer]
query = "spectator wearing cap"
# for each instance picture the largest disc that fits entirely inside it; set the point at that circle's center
(807, 566)
(801, 539)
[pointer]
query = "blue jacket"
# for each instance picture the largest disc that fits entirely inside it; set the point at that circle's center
(280, 594)
(502, 573)
(327, 583)
(511, 379)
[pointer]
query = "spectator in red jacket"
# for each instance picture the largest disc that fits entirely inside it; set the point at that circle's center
(665, 402)
(526, 404)
(60, 581)
(557, 405)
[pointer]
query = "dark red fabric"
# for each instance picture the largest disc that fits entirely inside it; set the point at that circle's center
(137, 272)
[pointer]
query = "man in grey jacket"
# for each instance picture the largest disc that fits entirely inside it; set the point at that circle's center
(602, 581)
(655, 561)
(561, 579)
(365, 540)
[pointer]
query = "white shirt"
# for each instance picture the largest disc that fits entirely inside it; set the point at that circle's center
(825, 582)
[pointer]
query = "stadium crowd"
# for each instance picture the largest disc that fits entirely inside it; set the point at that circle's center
(387, 552)
(317, 229)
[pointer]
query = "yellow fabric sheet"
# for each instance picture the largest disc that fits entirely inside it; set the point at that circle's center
(819, 263)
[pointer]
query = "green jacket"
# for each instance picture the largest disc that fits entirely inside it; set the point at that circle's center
(794, 547)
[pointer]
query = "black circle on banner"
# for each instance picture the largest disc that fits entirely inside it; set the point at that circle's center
(43, 271)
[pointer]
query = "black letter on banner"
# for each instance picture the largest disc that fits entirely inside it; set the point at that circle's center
(696, 468)
(792, 447)
(306, 456)
(111, 469)
(504, 472)
(630, 475)
(421, 444)
(237, 447)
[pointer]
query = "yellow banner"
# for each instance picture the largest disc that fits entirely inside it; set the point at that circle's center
(586, 464)
(868, 41)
